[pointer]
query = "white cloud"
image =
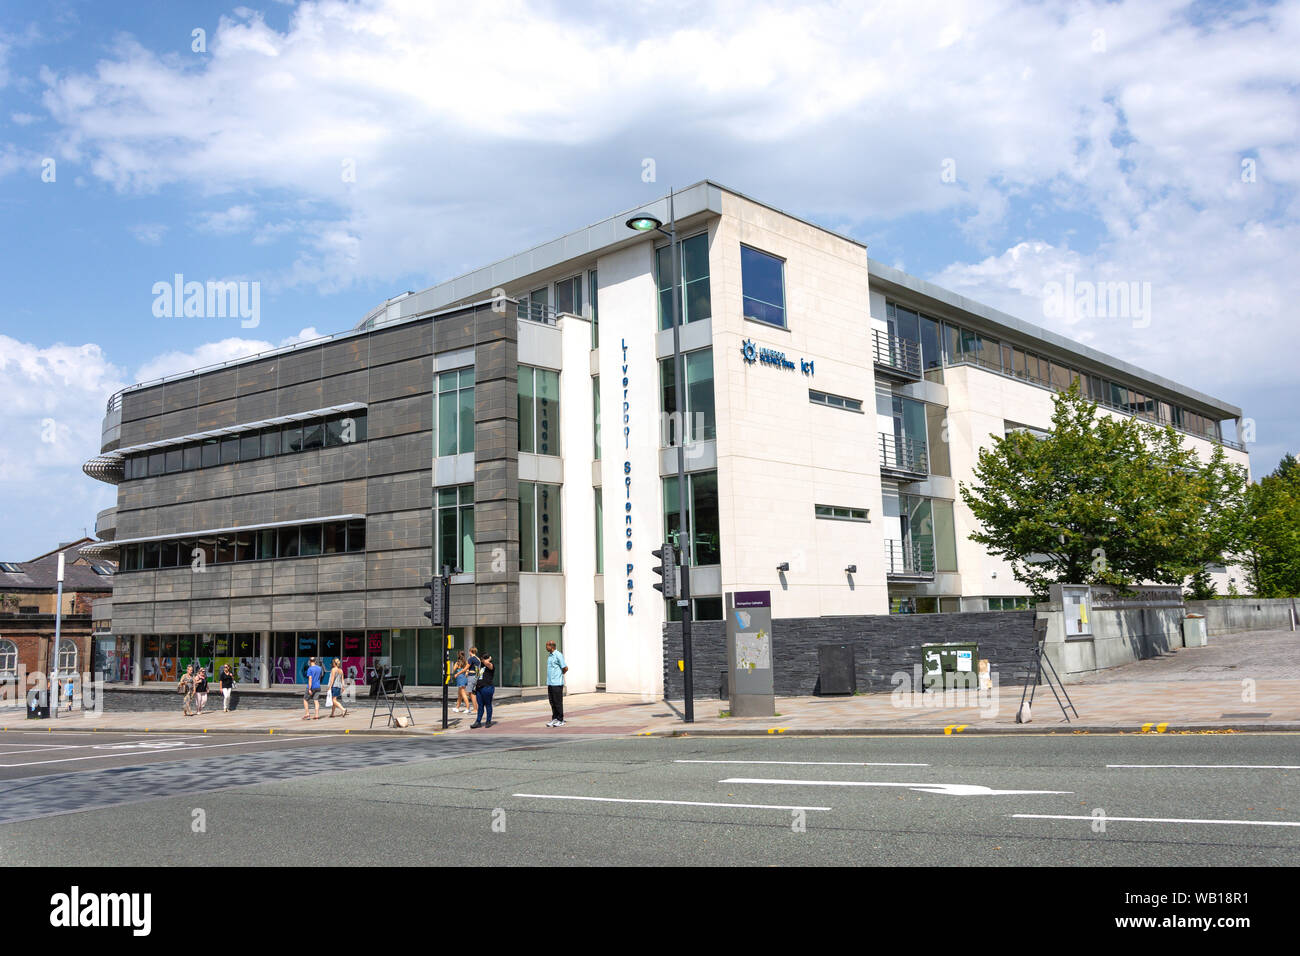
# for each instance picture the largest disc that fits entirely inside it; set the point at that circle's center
(228, 221)
(149, 233)
(214, 353)
(22, 119)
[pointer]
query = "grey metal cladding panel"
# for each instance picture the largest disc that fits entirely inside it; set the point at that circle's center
(170, 489)
(209, 514)
(177, 584)
(216, 482)
(213, 582)
(399, 530)
(302, 397)
(183, 393)
(297, 504)
(217, 414)
(146, 403)
(454, 332)
(251, 613)
(177, 518)
(346, 355)
(413, 452)
(252, 509)
(254, 476)
(133, 587)
(300, 366)
(341, 610)
(413, 376)
(344, 462)
(405, 491)
(139, 523)
(217, 386)
(295, 576)
(349, 387)
(397, 343)
(496, 441)
(257, 377)
(402, 416)
(294, 470)
(496, 359)
(397, 569)
(133, 433)
(257, 406)
(293, 613)
(210, 615)
(252, 579)
(133, 618)
(182, 422)
(497, 604)
(403, 608)
(464, 613)
(341, 572)
(172, 617)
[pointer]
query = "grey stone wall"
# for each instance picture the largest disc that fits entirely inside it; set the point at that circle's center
(883, 644)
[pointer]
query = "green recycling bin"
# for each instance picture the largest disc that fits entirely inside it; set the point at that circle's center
(950, 664)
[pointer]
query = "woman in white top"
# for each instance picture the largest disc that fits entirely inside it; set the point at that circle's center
(336, 688)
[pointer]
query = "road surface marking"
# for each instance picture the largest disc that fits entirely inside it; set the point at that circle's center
(35, 763)
(811, 763)
(1110, 819)
(953, 729)
(675, 803)
(947, 789)
(1201, 766)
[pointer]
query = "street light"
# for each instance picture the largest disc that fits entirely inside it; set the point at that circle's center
(645, 223)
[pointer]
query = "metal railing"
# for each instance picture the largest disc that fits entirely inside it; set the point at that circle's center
(897, 353)
(914, 557)
(900, 453)
(536, 312)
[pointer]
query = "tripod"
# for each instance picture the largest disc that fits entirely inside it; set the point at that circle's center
(1031, 685)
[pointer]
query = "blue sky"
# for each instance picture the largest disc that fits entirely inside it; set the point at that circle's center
(994, 148)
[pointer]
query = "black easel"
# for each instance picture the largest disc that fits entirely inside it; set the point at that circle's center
(1032, 685)
(389, 690)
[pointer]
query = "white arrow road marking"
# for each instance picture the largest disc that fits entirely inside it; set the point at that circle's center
(1110, 819)
(1201, 766)
(146, 745)
(675, 803)
(947, 789)
(811, 763)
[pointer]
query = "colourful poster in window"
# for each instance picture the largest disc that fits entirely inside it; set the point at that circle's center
(354, 669)
(221, 662)
(167, 669)
(248, 670)
(284, 670)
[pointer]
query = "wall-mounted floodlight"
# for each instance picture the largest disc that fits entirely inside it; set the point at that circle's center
(783, 566)
(851, 569)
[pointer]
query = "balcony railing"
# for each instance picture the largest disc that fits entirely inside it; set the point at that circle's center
(902, 454)
(897, 354)
(536, 312)
(909, 557)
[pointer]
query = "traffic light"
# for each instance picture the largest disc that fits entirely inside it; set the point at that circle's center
(434, 600)
(666, 569)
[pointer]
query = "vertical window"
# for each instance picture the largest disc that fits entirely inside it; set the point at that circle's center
(595, 424)
(455, 528)
(931, 349)
(357, 534)
(700, 422)
(8, 660)
(250, 446)
(229, 449)
(600, 531)
(270, 442)
(175, 459)
(539, 527)
(157, 463)
(696, 302)
(568, 296)
(455, 412)
(595, 309)
(762, 279)
(67, 657)
(539, 411)
(701, 516)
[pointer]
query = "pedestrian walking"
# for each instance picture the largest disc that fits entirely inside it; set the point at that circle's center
(227, 685)
(312, 694)
(458, 674)
(555, 671)
(472, 668)
(336, 688)
(201, 689)
(186, 686)
(486, 688)
(68, 694)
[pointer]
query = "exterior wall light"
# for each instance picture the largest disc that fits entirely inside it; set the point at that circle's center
(643, 223)
(851, 569)
(783, 566)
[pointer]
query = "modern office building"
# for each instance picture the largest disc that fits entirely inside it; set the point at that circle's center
(518, 423)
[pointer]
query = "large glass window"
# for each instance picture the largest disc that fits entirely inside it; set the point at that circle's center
(595, 309)
(539, 527)
(701, 516)
(697, 303)
(455, 528)
(595, 413)
(762, 279)
(454, 412)
(600, 531)
(539, 410)
(701, 420)
(568, 296)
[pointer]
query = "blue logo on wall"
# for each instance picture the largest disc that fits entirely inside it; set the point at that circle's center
(751, 353)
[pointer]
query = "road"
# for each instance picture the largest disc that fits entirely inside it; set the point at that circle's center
(1078, 800)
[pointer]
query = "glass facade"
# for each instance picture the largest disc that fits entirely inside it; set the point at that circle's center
(454, 528)
(701, 516)
(539, 527)
(701, 423)
(539, 411)
(696, 299)
(762, 279)
(235, 546)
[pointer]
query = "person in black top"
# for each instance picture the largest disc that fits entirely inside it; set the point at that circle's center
(227, 685)
(486, 688)
(201, 689)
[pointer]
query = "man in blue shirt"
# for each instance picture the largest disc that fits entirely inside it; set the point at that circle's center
(555, 671)
(313, 690)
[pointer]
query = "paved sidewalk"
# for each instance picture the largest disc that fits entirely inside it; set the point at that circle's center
(1238, 683)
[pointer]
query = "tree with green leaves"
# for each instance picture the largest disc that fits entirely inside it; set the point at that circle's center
(1272, 532)
(1103, 500)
